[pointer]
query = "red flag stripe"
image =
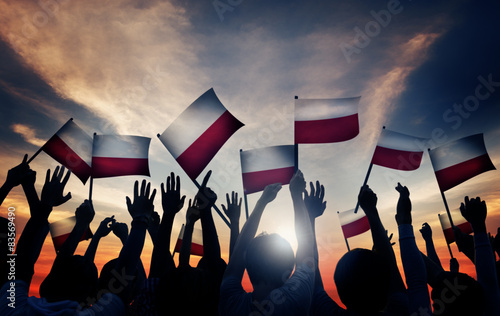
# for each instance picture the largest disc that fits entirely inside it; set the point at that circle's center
(450, 236)
(449, 177)
(197, 156)
(59, 240)
(355, 228)
(257, 181)
(111, 167)
(397, 159)
(62, 153)
(196, 249)
(327, 131)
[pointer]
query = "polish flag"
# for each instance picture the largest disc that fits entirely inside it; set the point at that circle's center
(458, 221)
(326, 120)
(352, 223)
(71, 147)
(263, 166)
(199, 132)
(196, 242)
(398, 151)
(460, 160)
(60, 230)
(119, 155)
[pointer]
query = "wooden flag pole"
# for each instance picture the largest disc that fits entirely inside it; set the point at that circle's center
(91, 184)
(40, 149)
(346, 242)
(447, 244)
(244, 191)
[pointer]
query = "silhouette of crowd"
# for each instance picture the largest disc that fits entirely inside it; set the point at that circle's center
(284, 282)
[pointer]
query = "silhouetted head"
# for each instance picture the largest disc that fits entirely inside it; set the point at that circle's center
(457, 294)
(362, 280)
(71, 278)
(269, 259)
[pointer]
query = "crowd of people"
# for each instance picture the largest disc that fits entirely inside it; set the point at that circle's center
(284, 282)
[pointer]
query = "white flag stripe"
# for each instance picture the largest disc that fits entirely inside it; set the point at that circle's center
(457, 151)
(322, 109)
(197, 237)
(349, 216)
(62, 227)
(398, 141)
(121, 146)
(192, 123)
(267, 158)
(456, 216)
(82, 146)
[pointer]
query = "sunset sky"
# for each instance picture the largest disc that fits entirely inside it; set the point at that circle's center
(131, 67)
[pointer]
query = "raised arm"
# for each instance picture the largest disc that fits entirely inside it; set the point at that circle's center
(474, 211)
(413, 264)
(205, 201)
(236, 265)
(172, 203)
(140, 209)
(192, 215)
(368, 202)
(34, 233)
(84, 215)
(104, 229)
(15, 177)
(426, 232)
(233, 211)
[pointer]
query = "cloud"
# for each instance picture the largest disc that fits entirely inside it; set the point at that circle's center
(28, 134)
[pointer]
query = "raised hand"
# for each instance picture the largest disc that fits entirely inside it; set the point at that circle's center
(314, 201)
(121, 231)
(367, 200)
(52, 192)
(19, 173)
(85, 213)
(474, 211)
(142, 207)
(297, 184)
(270, 192)
(233, 209)
(193, 213)
(171, 199)
(205, 198)
(105, 227)
(426, 232)
(403, 215)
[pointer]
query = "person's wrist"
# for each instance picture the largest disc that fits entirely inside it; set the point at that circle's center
(479, 227)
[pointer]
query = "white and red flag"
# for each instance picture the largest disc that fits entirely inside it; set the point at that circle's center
(458, 221)
(61, 229)
(460, 160)
(263, 166)
(196, 241)
(120, 155)
(398, 151)
(71, 147)
(199, 132)
(326, 120)
(352, 223)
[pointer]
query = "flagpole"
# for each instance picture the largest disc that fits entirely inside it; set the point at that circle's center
(91, 184)
(346, 242)
(244, 191)
(364, 183)
(447, 244)
(296, 150)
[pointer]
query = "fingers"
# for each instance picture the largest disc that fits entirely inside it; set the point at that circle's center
(162, 187)
(47, 176)
(227, 199)
(129, 203)
(312, 188)
(25, 159)
(66, 198)
(205, 180)
(177, 183)
(153, 194)
(136, 188)
(66, 178)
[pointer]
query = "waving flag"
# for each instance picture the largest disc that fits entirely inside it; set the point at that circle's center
(458, 221)
(352, 223)
(71, 147)
(199, 132)
(119, 155)
(460, 160)
(196, 241)
(263, 166)
(61, 229)
(326, 120)
(398, 151)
